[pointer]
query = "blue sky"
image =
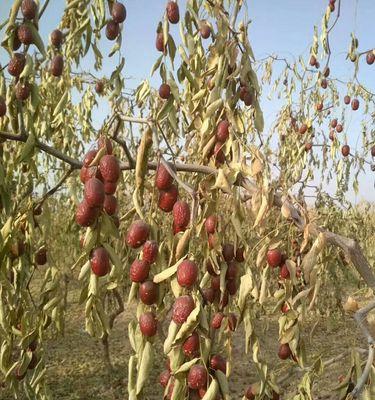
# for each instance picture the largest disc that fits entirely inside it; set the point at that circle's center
(279, 27)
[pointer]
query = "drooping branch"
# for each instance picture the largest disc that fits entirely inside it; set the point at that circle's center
(54, 189)
(349, 246)
(360, 317)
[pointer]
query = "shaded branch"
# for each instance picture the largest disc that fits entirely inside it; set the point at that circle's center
(365, 374)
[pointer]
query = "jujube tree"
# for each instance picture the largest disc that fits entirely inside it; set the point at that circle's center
(184, 206)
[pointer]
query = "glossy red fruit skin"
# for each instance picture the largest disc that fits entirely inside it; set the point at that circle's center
(110, 204)
(243, 91)
(228, 252)
(139, 270)
(232, 322)
(217, 320)
(347, 99)
(181, 214)
(168, 198)
(94, 192)
(24, 34)
(89, 157)
(99, 261)
(231, 287)
(148, 324)
(274, 258)
(249, 394)
(345, 150)
(219, 153)
(217, 362)
(150, 251)
(373, 151)
(240, 254)
(225, 299)
(110, 187)
(284, 351)
(173, 12)
(16, 64)
(284, 308)
(57, 65)
(355, 104)
(232, 271)
(187, 273)
(370, 58)
(197, 377)
(112, 30)
(57, 38)
(164, 91)
(22, 91)
(163, 179)
(205, 31)
(222, 133)
(209, 295)
(164, 378)
(137, 234)
(109, 168)
(86, 173)
(215, 282)
(118, 12)
(99, 87)
(190, 346)
(177, 229)
(248, 99)
(334, 123)
(212, 240)
(284, 272)
(312, 61)
(339, 128)
(148, 292)
(275, 396)
(29, 9)
(86, 215)
(210, 224)
(319, 107)
(159, 43)
(3, 107)
(41, 257)
(182, 308)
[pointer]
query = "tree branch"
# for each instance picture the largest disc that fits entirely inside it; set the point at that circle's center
(350, 247)
(365, 374)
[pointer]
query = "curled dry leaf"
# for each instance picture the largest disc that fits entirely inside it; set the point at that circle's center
(286, 209)
(142, 158)
(256, 167)
(351, 305)
(310, 259)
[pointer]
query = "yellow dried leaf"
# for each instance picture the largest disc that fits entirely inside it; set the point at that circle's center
(351, 305)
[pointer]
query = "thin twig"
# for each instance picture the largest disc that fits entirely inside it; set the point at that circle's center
(43, 9)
